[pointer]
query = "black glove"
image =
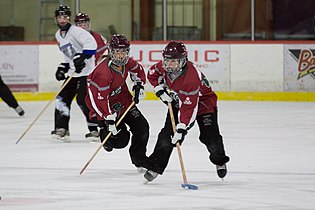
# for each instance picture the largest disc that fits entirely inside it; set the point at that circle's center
(79, 61)
(137, 88)
(62, 69)
(175, 98)
(179, 135)
(160, 91)
(103, 134)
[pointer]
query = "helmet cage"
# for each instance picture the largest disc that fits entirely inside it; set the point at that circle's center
(119, 56)
(173, 65)
(119, 48)
(82, 20)
(174, 56)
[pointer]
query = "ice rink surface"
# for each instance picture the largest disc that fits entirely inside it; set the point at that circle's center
(271, 146)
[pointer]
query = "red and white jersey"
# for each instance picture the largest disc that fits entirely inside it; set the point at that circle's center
(194, 92)
(107, 88)
(77, 40)
(101, 45)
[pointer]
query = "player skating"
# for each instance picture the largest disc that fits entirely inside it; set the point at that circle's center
(78, 47)
(109, 97)
(192, 100)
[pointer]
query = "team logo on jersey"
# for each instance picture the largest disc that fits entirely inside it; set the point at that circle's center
(187, 101)
(151, 71)
(115, 92)
(99, 97)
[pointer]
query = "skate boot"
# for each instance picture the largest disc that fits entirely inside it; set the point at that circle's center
(93, 136)
(108, 148)
(19, 110)
(221, 171)
(150, 176)
(141, 170)
(62, 134)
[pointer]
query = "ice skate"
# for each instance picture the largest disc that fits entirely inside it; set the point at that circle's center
(19, 110)
(221, 170)
(141, 170)
(149, 176)
(93, 136)
(62, 134)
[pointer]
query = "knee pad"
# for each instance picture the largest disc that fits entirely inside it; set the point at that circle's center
(62, 107)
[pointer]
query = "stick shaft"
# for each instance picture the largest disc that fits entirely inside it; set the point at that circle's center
(43, 110)
(107, 137)
(180, 157)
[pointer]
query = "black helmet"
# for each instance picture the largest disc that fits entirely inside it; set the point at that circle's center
(63, 10)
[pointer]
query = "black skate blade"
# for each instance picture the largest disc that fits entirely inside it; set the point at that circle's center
(190, 186)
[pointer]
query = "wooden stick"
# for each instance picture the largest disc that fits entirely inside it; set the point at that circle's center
(107, 137)
(37, 117)
(178, 145)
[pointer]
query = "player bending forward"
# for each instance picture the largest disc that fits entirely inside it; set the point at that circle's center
(109, 97)
(196, 101)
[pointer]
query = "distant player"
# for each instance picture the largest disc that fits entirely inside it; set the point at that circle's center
(83, 20)
(78, 47)
(7, 96)
(193, 100)
(109, 97)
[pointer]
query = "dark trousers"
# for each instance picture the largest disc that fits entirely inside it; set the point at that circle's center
(209, 136)
(139, 129)
(6, 95)
(75, 88)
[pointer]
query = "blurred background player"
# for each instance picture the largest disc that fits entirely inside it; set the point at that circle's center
(194, 100)
(109, 97)
(78, 47)
(83, 20)
(7, 96)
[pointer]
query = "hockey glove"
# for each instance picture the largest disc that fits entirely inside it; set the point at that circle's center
(62, 69)
(110, 121)
(79, 61)
(175, 99)
(160, 91)
(180, 133)
(138, 92)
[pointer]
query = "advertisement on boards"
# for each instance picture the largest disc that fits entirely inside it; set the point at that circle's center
(299, 67)
(212, 59)
(19, 67)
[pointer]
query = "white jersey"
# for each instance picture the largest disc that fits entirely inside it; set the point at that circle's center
(77, 40)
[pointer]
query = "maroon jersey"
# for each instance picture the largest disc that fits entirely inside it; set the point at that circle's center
(194, 92)
(107, 88)
(101, 45)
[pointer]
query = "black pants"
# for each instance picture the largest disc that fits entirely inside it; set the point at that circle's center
(76, 87)
(139, 128)
(6, 95)
(209, 136)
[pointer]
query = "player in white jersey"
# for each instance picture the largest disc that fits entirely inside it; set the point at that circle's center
(78, 47)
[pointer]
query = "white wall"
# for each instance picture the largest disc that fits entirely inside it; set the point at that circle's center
(49, 59)
(229, 67)
(256, 67)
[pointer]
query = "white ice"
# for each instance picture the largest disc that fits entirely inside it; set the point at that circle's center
(271, 146)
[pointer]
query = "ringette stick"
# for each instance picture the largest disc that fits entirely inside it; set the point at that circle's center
(37, 117)
(107, 137)
(189, 186)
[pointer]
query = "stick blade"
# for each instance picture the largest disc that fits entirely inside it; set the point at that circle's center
(190, 186)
